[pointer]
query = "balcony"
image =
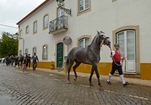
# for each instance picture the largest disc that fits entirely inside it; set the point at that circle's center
(58, 25)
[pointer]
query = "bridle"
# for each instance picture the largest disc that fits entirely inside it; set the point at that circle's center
(102, 43)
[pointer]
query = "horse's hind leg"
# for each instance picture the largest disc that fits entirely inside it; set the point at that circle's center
(69, 68)
(18, 64)
(74, 69)
(90, 79)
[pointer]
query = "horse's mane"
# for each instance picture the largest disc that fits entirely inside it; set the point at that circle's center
(95, 38)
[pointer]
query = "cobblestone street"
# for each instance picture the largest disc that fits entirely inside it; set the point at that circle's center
(44, 88)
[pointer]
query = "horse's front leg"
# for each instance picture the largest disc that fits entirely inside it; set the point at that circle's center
(98, 75)
(90, 79)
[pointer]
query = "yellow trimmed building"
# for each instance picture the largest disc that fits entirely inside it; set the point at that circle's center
(126, 22)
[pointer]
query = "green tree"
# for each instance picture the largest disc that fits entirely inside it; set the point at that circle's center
(8, 45)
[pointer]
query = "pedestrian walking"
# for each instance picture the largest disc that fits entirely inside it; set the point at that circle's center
(35, 60)
(116, 65)
(24, 62)
(28, 61)
(16, 60)
(12, 60)
(7, 61)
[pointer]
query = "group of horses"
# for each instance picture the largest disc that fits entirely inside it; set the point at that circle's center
(89, 55)
(18, 60)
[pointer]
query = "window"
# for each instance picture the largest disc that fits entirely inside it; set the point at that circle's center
(21, 32)
(45, 21)
(84, 42)
(84, 5)
(26, 51)
(27, 29)
(45, 52)
(60, 19)
(34, 50)
(35, 27)
(127, 41)
(60, 12)
(114, 0)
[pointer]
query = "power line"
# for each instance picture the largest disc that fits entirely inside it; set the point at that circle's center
(8, 26)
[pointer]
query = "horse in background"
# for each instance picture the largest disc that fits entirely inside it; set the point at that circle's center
(16, 60)
(89, 55)
(19, 61)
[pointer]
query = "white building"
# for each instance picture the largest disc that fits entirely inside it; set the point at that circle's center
(126, 22)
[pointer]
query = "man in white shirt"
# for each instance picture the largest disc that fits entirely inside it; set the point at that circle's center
(116, 65)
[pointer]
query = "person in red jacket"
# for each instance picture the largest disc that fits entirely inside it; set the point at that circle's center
(116, 65)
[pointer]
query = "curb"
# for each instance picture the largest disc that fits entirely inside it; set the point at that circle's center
(133, 81)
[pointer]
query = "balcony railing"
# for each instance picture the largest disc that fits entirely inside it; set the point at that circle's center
(58, 25)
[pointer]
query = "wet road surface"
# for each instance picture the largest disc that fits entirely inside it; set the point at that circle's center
(44, 88)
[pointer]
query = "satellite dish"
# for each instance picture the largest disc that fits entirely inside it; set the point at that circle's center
(67, 40)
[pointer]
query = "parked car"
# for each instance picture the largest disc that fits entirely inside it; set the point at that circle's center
(3, 60)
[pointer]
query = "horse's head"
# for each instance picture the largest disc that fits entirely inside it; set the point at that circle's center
(103, 39)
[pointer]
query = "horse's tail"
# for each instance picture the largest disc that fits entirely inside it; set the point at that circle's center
(66, 66)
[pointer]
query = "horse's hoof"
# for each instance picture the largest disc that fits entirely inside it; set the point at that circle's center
(69, 82)
(101, 88)
(91, 84)
(75, 78)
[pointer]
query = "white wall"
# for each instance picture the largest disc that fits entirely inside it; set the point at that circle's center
(105, 15)
(41, 37)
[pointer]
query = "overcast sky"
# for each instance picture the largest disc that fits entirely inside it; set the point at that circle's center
(11, 11)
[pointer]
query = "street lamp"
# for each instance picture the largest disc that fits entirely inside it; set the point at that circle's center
(60, 4)
(19, 38)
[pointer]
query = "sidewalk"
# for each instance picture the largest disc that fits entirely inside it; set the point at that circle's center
(114, 78)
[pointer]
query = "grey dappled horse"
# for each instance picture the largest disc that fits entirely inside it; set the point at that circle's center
(89, 55)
